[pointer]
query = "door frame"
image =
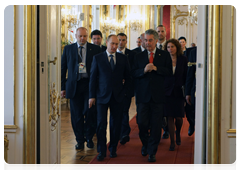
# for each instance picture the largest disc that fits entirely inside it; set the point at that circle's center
(29, 88)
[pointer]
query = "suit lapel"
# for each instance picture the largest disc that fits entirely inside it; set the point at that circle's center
(178, 65)
(118, 58)
(88, 53)
(127, 52)
(156, 56)
(75, 52)
(146, 59)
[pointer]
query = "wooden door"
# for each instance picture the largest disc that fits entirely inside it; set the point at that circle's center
(50, 83)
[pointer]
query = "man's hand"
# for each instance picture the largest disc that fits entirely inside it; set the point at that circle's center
(188, 99)
(63, 93)
(149, 67)
(91, 102)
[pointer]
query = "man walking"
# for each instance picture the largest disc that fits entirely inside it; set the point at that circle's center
(77, 60)
(149, 70)
(107, 90)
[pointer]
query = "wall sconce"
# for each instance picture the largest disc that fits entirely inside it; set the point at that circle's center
(134, 21)
(122, 26)
(109, 25)
(193, 14)
(72, 21)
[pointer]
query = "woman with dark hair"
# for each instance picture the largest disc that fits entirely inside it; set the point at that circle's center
(174, 91)
(183, 42)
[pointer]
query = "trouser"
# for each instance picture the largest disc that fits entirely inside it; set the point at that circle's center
(116, 109)
(150, 114)
(80, 111)
(190, 114)
(125, 128)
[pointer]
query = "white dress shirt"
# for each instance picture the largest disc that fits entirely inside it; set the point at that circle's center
(114, 57)
(123, 51)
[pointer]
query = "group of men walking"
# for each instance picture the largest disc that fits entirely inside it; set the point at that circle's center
(101, 78)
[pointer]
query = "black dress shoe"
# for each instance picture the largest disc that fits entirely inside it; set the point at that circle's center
(190, 130)
(124, 139)
(113, 155)
(90, 143)
(144, 151)
(151, 158)
(79, 146)
(172, 148)
(101, 156)
(178, 138)
(165, 135)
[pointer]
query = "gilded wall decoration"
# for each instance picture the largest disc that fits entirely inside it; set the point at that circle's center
(182, 21)
(54, 107)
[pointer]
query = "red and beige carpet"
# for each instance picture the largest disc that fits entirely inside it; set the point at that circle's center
(130, 153)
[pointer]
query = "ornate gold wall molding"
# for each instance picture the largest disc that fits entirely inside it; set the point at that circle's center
(6, 143)
(174, 14)
(181, 21)
(231, 88)
(90, 23)
(214, 84)
(54, 107)
(10, 128)
(147, 16)
(29, 84)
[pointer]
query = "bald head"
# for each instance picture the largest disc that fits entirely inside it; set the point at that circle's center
(81, 35)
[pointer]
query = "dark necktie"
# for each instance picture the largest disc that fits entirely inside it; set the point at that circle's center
(111, 62)
(79, 61)
(80, 54)
(160, 46)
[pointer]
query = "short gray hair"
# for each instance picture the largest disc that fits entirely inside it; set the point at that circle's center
(152, 32)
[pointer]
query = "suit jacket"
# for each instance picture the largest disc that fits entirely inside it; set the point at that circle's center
(174, 83)
(138, 49)
(151, 85)
(69, 61)
(130, 55)
(188, 51)
(191, 77)
(103, 48)
(104, 82)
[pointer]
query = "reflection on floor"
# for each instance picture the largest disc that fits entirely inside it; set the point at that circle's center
(68, 153)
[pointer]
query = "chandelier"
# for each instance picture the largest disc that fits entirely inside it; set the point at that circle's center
(134, 21)
(112, 25)
(193, 13)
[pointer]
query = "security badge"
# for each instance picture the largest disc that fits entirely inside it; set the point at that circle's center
(82, 68)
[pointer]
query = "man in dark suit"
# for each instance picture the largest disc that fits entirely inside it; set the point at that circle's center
(142, 47)
(161, 30)
(138, 42)
(107, 89)
(149, 70)
(191, 90)
(189, 108)
(96, 37)
(125, 130)
(77, 59)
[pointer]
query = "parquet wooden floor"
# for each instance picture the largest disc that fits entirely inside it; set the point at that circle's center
(68, 153)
